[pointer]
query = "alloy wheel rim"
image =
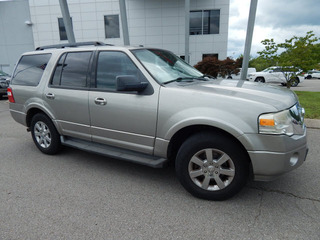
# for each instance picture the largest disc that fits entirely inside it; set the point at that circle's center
(211, 169)
(42, 134)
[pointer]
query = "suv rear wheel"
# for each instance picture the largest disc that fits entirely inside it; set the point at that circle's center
(44, 134)
(211, 166)
(294, 81)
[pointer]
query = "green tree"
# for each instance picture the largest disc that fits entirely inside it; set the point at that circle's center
(300, 52)
(297, 52)
(270, 52)
(259, 63)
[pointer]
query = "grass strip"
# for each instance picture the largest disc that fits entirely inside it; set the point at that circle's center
(311, 103)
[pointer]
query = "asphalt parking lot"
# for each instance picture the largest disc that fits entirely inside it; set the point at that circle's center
(309, 85)
(78, 195)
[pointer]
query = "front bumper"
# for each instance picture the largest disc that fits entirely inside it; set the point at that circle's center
(267, 166)
(273, 156)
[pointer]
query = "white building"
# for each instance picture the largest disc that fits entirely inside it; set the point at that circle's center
(152, 23)
(15, 33)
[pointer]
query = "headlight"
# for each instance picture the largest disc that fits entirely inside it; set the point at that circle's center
(288, 122)
(250, 75)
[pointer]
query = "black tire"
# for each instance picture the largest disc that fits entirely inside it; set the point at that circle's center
(231, 173)
(260, 79)
(229, 77)
(294, 81)
(44, 134)
(308, 77)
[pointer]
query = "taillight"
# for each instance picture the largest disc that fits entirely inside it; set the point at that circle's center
(10, 95)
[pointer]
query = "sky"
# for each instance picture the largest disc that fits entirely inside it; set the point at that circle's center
(277, 19)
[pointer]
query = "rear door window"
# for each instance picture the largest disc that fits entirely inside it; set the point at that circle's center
(72, 70)
(30, 69)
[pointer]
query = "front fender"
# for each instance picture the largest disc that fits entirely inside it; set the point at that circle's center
(227, 121)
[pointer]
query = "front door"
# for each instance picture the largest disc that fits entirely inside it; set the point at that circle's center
(277, 76)
(122, 119)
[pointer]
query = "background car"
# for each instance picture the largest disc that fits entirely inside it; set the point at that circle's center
(4, 83)
(312, 74)
(4, 76)
(277, 74)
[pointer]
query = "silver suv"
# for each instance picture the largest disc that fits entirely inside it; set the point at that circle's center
(150, 107)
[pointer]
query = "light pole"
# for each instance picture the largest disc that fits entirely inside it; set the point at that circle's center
(247, 46)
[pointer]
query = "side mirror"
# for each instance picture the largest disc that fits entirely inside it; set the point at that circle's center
(130, 83)
(270, 71)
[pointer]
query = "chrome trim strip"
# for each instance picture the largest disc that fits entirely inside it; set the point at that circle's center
(17, 112)
(73, 123)
(116, 131)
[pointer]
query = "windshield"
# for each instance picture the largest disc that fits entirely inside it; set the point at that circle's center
(267, 69)
(164, 66)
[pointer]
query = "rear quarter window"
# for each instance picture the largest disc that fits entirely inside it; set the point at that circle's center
(30, 69)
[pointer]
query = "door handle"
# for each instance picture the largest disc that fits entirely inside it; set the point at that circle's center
(50, 95)
(100, 101)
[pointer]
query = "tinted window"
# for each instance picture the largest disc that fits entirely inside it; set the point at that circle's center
(57, 73)
(72, 70)
(111, 65)
(195, 22)
(30, 69)
(62, 29)
(111, 24)
(213, 22)
(204, 22)
(215, 55)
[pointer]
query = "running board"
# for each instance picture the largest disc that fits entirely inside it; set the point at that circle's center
(114, 152)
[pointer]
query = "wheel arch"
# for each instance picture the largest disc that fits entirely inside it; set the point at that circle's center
(180, 136)
(32, 111)
(260, 77)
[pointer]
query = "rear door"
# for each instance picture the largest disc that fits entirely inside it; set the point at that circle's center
(122, 119)
(66, 96)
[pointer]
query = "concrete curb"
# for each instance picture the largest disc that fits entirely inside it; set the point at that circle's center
(312, 123)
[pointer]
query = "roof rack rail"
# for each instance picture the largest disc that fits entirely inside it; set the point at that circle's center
(79, 44)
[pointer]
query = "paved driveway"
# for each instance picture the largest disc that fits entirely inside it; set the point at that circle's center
(309, 85)
(78, 195)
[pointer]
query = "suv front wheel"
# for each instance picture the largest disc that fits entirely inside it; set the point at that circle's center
(44, 134)
(260, 79)
(212, 166)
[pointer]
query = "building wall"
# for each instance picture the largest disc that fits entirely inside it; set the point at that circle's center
(16, 36)
(152, 23)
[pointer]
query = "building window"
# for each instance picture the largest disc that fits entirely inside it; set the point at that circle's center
(215, 55)
(62, 29)
(204, 22)
(111, 25)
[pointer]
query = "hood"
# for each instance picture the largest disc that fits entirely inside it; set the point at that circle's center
(279, 98)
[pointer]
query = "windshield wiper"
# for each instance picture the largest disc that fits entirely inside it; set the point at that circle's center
(187, 79)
